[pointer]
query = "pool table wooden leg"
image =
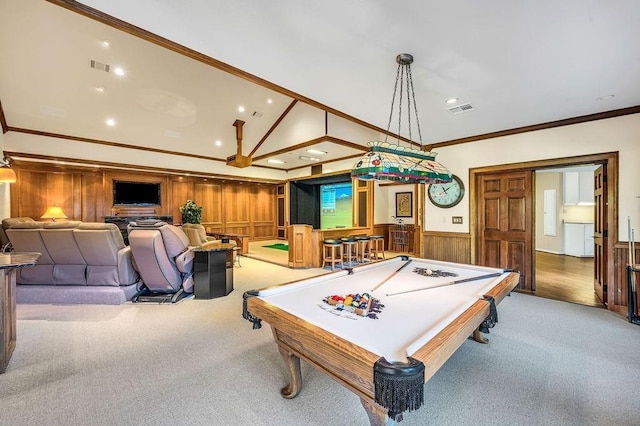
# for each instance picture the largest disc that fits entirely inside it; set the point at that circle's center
(479, 337)
(377, 414)
(292, 363)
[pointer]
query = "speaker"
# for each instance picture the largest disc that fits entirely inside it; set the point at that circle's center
(316, 170)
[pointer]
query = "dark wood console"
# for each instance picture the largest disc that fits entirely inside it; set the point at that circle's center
(123, 221)
(9, 264)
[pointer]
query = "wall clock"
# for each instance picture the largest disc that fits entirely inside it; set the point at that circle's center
(446, 195)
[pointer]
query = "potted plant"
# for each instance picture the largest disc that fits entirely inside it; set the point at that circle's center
(191, 212)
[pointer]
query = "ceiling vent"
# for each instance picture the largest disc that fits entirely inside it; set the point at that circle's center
(461, 108)
(99, 66)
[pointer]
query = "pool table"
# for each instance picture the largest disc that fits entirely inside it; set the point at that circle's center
(419, 312)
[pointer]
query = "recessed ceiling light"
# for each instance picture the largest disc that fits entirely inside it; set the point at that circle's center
(304, 157)
(316, 151)
(241, 108)
(100, 89)
(218, 143)
(106, 43)
(451, 101)
(111, 122)
(275, 161)
(119, 71)
(269, 101)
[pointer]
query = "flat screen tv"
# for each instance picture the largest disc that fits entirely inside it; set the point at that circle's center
(335, 205)
(136, 193)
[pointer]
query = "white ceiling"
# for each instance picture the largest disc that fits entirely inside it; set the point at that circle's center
(518, 63)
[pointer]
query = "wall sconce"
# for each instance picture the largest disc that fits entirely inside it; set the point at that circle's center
(53, 213)
(6, 174)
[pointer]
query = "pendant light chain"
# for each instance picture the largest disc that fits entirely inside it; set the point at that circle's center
(415, 106)
(403, 74)
(393, 100)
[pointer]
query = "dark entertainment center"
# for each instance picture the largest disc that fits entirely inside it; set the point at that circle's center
(137, 198)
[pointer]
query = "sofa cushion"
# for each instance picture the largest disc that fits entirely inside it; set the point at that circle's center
(25, 237)
(27, 225)
(108, 258)
(6, 223)
(70, 267)
(69, 274)
(67, 224)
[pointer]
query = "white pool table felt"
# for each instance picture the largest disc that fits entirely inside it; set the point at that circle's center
(406, 322)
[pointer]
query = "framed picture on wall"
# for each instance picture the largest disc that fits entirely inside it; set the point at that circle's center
(404, 204)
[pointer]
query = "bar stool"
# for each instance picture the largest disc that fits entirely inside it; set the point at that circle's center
(349, 251)
(376, 243)
(331, 253)
(363, 252)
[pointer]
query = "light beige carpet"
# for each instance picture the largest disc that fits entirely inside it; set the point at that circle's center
(199, 362)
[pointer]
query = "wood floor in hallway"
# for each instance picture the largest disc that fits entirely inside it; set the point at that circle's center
(565, 278)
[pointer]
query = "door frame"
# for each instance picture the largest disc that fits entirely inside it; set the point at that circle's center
(608, 158)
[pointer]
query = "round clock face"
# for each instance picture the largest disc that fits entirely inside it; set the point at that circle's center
(446, 195)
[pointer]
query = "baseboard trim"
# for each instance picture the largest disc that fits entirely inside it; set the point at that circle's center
(550, 251)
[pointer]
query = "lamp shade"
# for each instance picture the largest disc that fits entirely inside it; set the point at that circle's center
(387, 162)
(7, 175)
(53, 213)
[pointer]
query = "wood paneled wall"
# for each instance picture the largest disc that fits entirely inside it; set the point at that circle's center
(621, 260)
(456, 247)
(246, 208)
(38, 187)
(447, 246)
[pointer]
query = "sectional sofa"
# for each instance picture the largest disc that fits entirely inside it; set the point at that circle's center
(80, 262)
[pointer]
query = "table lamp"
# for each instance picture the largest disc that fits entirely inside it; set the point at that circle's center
(53, 213)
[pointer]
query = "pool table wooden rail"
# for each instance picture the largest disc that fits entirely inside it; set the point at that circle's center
(353, 366)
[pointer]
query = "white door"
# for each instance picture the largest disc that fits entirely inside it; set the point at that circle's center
(550, 212)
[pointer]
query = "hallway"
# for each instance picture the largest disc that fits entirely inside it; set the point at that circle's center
(565, 278)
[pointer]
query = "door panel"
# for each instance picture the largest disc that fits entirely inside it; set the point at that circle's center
(492, 214)
(505, 225)
(492, 257)
(516, 254)
(517, 214)
(600, 233)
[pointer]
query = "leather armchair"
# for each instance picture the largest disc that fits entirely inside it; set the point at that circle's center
(198, 237)
(197, 234)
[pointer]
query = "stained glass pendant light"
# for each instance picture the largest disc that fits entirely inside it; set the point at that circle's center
(395, 163)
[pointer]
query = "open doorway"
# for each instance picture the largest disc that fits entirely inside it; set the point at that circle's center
(564, 234)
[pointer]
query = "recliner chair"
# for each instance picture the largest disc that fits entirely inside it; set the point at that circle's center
(196, 234)
(162, 257)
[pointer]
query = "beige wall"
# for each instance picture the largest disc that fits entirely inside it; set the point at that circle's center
(620, 134)
(553, 244)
